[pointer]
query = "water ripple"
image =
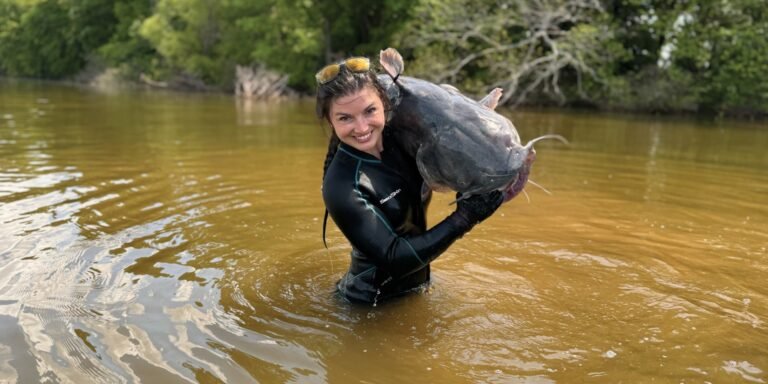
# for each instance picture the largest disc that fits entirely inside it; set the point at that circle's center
(170, 243)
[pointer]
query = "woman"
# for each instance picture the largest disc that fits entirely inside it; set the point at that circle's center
(373, 190)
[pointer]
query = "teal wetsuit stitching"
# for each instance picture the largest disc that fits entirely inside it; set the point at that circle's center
(373, 209)
(363, 272)
(348, 279)
(358, 157)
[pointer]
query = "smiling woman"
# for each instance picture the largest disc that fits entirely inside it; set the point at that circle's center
(358, 120)
(373, 191)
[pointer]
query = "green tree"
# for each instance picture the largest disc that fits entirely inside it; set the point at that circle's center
(640, 79)
(361, 27)
(127, 49)
(40, 43)
(184, 33)
(690, 55)
(92, 22)
(10, 16)
(51, 39)
(198, 39)
(722, 45)
(284, 35)
(641, 27)
(297, 37)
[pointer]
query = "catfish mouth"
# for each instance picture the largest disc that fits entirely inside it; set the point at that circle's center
(516, 186)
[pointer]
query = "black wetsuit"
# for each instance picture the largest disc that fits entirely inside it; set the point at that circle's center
(378, 206)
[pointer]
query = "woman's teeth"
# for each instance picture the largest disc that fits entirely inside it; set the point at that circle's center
(365, 137)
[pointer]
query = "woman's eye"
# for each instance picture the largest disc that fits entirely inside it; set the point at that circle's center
(370, 110)
(344, 119)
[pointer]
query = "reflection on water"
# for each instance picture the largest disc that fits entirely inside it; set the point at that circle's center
(151, 236)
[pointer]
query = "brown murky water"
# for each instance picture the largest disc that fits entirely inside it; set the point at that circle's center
(151, 237)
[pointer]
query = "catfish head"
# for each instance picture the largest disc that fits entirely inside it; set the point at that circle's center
(459, 143)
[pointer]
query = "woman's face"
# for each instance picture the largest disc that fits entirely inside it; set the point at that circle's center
(358, 120)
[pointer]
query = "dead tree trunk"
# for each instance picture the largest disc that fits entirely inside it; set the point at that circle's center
(260, 83)
(527, 46)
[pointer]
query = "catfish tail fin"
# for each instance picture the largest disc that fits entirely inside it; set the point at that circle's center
(392, 62)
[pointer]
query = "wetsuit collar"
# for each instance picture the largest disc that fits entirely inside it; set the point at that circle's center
(357, 154)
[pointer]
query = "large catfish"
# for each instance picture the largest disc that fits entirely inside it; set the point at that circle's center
(458, 143)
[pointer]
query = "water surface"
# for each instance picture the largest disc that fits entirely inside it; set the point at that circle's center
(161, 237)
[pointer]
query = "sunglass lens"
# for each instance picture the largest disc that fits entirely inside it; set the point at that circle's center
(357, 64)
(328, 73)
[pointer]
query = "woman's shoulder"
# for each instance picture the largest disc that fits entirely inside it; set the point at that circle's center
(339, 181)
(341, 167)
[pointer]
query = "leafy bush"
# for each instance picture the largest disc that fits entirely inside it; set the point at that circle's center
(39, 42)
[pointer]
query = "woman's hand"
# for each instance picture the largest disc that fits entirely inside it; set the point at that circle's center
(477, 208)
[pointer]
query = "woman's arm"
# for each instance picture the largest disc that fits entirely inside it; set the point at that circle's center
(364, 225)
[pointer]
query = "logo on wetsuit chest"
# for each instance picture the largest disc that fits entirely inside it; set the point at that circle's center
(391, 195)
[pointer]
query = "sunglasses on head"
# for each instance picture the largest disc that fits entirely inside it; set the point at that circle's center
(354, 64)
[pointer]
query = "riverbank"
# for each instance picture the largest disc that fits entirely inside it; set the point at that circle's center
(111, 80)
(250, 82)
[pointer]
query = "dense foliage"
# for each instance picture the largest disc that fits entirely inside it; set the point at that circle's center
(651, 55)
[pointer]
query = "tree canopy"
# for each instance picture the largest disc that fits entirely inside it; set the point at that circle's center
(648, 55)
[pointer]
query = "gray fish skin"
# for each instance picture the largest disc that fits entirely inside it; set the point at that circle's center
(458, 143)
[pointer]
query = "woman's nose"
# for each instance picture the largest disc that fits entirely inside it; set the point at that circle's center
(361, 124)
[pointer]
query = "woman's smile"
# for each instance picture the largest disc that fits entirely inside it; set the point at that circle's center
(364, 137)
(358, 120)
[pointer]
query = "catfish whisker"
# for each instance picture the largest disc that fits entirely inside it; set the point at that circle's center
(540, 187)
(529, 145)
(526, 196)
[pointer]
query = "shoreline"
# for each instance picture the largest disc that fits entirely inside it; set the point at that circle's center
(110, 80)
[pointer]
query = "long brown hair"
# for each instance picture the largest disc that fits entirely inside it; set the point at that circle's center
(344, 84)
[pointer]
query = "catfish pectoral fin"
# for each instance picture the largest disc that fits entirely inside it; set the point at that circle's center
(433, 180)
(392, 62)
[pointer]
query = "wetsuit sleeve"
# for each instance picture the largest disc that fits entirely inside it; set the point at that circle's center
(370, 232)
